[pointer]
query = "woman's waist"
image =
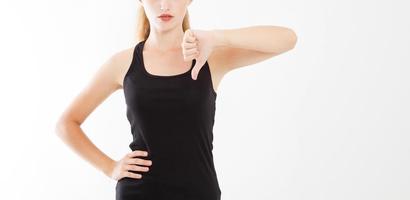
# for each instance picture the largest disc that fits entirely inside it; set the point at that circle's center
(177, 154)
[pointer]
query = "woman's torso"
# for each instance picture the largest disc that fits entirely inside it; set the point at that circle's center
(172, 118)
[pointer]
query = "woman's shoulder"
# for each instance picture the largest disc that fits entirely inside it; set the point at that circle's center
(122, 61)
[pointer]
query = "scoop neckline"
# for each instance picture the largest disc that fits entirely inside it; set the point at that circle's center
(157, 75)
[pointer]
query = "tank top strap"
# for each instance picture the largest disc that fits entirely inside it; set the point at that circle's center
(138, 56)
(139, 72)
(134, 59)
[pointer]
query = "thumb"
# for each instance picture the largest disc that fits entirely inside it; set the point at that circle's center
(197, 67)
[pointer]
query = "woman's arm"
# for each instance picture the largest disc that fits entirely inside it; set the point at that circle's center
(104, 83)
(239, 47)
(270, 39)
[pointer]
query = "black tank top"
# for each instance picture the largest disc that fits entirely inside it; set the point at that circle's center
(172, 118)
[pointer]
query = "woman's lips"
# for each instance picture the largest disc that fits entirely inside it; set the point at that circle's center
(165, 17)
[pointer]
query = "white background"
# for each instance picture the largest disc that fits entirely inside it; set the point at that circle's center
(326, 120)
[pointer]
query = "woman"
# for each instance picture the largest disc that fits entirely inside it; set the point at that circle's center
(170, 78)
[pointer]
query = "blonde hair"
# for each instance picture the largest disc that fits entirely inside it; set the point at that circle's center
(143, 27)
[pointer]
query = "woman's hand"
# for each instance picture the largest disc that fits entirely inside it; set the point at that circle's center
(121, 168)
(198, 45)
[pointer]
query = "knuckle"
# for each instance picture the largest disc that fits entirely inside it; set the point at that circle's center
(139, 161)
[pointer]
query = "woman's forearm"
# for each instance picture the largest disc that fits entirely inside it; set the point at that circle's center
(72, 134)
(263, 38)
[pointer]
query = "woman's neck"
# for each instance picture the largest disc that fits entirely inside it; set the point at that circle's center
(165, 40)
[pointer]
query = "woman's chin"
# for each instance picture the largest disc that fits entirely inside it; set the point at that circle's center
(166, 27)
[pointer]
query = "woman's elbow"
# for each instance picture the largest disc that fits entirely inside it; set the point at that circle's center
(62, 124)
